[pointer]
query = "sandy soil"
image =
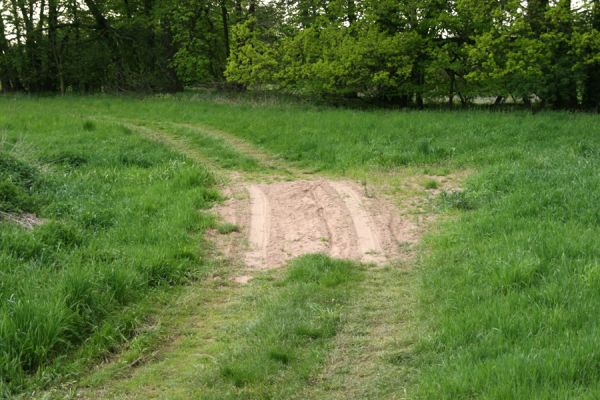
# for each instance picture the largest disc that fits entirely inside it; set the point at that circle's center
(27, 221)
(283, 220)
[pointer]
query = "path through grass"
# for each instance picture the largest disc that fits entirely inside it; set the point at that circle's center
(259, 341)
(507, 288)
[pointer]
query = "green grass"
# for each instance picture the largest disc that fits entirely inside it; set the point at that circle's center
(431, 184)
(509, 285)
(214, 149)
(121, 222)
(512, 287)
(289, 336)
(227, 228)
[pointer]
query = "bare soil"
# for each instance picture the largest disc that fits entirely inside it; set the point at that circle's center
(27, 220)
(283, 220)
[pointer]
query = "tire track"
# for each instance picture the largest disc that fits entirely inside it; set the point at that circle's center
(260, 227)
(290, 219)
(368, 237)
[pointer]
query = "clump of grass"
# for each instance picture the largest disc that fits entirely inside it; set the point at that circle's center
(126, 130)
(89, 126)
(68, 158)
(280, 355)
(431, 184)
(227, 228)
(457, 199)
(18, 181)
(58, 235)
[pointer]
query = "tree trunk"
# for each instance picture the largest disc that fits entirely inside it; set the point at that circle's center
(536, 12)
(451, 88)
(565, 96)
(351, 12)
(101, 21)
(4, 73)
(239, 14)
(54, 50)
(591, 89)
(29, 73)
(225, 18)
(418, 80)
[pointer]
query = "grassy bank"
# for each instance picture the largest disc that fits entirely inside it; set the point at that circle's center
(116, 219)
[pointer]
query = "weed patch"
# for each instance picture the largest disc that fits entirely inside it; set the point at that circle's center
(227, 228)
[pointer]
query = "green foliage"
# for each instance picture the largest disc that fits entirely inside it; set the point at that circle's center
(401, 53)
(252, 60)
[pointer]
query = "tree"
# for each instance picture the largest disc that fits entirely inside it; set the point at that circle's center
(589, 43)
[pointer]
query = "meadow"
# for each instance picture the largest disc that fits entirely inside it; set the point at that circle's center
(502, 293)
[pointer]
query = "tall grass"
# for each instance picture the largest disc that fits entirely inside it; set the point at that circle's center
(512, 288)
(120, 219)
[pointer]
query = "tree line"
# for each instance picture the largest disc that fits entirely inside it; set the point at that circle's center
(401, 52)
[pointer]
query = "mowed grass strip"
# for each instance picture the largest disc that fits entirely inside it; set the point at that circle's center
(206, 147)
(285, 344)
(120, 221)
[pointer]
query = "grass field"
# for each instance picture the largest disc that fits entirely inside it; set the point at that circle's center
(499, 303)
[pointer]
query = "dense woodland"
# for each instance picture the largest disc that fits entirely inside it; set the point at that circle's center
(401, 52)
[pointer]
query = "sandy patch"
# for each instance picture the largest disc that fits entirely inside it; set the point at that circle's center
(284, 220)
(27, 221)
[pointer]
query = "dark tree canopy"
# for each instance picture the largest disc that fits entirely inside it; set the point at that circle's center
(403, 52)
